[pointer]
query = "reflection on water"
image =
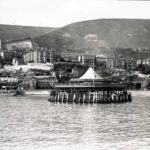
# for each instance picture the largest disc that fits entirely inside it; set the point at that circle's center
(34, 123)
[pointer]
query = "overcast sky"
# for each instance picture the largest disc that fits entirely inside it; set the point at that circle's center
(57, 13)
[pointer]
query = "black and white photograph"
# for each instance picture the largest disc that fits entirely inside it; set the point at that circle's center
(74, 75)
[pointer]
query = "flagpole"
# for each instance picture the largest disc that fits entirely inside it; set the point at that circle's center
(93, 62)
(93, 68)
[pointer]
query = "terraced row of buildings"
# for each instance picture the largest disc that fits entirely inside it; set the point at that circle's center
(27, 51)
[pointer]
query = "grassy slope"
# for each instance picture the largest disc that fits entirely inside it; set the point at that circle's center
(14, 32)
(111, 32)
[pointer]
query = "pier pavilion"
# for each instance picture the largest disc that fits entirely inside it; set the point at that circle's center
(90, 88)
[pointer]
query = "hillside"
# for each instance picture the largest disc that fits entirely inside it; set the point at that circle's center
(100, 34)
(15, 32)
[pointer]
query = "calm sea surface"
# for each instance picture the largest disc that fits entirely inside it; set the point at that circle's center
(32, 123)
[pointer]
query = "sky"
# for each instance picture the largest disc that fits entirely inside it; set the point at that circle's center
(58, 13)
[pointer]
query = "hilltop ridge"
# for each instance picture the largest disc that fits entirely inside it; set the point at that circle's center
(99, 34)
(15, 32)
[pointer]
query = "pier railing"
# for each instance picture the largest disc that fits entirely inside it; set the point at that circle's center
(90, 85)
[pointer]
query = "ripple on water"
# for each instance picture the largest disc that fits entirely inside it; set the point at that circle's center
(34, 123)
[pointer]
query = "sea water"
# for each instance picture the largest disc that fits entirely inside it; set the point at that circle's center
(33, 123)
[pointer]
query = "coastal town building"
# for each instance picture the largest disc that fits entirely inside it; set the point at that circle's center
(8, 83)
(37, 82)
(87, 59)
(108, 61)
(101, 60)
(121, 63)
(143, 62)
(45, 82)
(146, 62)
(25, 51)
(1, 51)
(130, 64)
(0, 45)
(16, 49)
(38, 55)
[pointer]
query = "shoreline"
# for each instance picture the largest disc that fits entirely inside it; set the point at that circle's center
(46, 92)
(134, 93)
(37, 92)
(140, 93)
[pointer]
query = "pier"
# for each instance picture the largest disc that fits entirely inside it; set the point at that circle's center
(89, 95)
(86, 90)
